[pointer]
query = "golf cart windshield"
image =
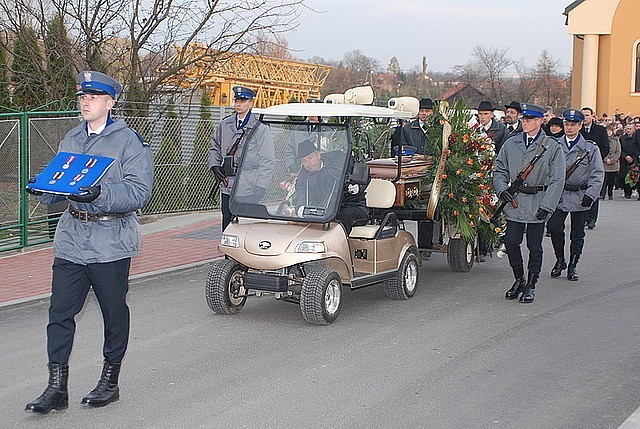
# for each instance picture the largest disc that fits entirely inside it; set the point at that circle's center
(307, 181)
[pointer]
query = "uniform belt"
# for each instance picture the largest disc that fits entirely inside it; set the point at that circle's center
(532, 189)
(84, 216)
(574, 188)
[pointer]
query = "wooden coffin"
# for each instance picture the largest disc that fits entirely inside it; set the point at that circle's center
(407, 180)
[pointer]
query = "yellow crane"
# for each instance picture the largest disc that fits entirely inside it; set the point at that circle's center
(275, 80)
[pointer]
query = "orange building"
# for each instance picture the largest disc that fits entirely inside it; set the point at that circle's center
(606, 54)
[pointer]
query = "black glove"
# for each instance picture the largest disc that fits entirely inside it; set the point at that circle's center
(33, 191)
(506, 196)
(92, 192)
(218, 173)
(586, 201)
(542, 214)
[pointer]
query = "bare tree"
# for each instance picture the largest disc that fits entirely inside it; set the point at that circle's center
(552, 88)
(495, 64)
(526, 85)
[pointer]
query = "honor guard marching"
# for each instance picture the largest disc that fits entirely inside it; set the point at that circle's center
(539, 160)
(233, 135)
(94, 241)
(583, 181)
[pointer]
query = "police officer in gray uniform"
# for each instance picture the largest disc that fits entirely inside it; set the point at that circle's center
(94, 242)
(582, 188)
(536, 198)
(229, 139)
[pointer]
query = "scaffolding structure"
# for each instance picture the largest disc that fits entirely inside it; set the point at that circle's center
(275, 81)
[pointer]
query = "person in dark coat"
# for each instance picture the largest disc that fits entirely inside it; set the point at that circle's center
(629, 153)
(537, 198)
(556, 128)
(597, 134)
(414, 133)
(512, 121)
(581, 190)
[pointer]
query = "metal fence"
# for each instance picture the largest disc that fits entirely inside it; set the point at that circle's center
(179, 140)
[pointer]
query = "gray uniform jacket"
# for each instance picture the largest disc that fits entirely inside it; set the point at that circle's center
(125, 187)
(261, 158)
(589, 174)
(548, 171)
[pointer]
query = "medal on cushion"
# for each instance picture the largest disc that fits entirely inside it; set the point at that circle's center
(76, 179)
(67, 164)
(56, 177)
(89, 164)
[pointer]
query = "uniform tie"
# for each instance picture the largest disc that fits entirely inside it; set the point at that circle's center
(529, 141)
(239, 123)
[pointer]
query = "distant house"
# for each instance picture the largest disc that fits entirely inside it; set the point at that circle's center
(466, 93)
(606, 54)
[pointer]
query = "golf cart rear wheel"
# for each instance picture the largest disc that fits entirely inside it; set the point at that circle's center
(321, 296)
(403, 285)
(224, 290)
(460, 255)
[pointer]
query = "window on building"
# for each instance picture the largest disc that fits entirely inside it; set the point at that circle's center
(636, 86)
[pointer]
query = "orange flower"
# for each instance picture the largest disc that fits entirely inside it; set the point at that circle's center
(459, 171)
(470, 215)
(464, 199)
(470, 161)
(480, 175)
(497, 229)
(465, 138)
(451, 195)
(444, 176)
(447, 152)
(456, 212)
(472, 224)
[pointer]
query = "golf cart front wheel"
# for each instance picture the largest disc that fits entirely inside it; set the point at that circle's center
(224, 290)
(321, 296)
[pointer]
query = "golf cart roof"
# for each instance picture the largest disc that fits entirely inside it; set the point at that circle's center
(328, 110)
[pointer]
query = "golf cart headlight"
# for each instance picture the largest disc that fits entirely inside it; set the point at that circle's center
(311, 247)
(229, 240)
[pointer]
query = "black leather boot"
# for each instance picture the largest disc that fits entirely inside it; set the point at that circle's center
(55, 396)
(572, 274)
(518, 285)
(106, 390)
(530, 289)
(560, 265)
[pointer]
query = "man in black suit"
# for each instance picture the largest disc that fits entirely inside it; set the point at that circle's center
(597, 134)
(488, 124)
(512, 120)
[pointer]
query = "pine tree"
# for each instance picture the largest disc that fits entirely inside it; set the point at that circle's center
(26, 71)
(61, 73)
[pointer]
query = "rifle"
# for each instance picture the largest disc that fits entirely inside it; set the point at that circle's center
(522, 176)
(581, 155)
(227, 166)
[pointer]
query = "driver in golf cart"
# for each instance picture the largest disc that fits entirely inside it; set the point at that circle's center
(317, 181)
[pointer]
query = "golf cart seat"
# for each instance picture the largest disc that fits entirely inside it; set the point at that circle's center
(381, 194)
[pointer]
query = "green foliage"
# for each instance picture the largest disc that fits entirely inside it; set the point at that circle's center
(58, 51)
(5, 100)
(200, 181)
(26, 71)
(466, 193)
(169, 190)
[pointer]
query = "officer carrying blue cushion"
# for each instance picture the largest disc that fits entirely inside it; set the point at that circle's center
(229, 139)
(95, 240)
(584, 179)
(534, 200)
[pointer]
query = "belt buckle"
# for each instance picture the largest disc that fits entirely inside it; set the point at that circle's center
(83, 216)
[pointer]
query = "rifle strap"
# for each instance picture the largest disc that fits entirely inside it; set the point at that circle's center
(234, 148)
(573, 167)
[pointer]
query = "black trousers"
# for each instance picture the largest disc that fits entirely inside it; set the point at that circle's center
(70, 286)
(610, 180)
(226, 213)
(513, 239)
(556, 228)
(350, 215)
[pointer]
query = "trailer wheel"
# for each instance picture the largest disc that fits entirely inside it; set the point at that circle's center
(321, 296)
(403, 285)
(224, 290)
(460, 255)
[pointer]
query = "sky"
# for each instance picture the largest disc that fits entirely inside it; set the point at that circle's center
(445, 31)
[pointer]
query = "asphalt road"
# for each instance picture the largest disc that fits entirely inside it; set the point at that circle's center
(457, 355)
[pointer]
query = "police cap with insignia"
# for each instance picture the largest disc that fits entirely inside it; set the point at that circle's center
(242, 92)
(305, 148)
(573, 115)
(514, 105)
(530, 110)
(93, 82)
(426, 103)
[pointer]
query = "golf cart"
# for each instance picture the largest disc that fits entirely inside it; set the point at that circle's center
(294, 250)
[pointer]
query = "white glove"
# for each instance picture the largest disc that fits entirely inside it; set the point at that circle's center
(300, 211)
(353, 189)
